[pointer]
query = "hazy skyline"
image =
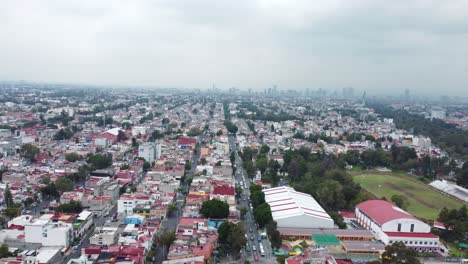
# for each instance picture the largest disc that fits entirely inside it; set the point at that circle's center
(378, 46)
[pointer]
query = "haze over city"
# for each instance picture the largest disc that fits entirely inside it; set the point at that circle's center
(377, 46)
(233, 132)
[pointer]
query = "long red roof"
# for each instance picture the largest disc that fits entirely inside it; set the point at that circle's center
(186, 141)
(382, 211)
(409, 234)
(224, 190)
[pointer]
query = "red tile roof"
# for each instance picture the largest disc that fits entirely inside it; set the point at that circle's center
(224, 190)
(186, 141)
(409, 234)
(382, 211)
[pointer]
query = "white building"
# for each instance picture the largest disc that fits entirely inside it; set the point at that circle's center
(138, 130)
(83, 222)
(102, 142)
(127, 202)
(104, 236)
(149, 151)
(392, 224)
(48, 233)
(295, 209)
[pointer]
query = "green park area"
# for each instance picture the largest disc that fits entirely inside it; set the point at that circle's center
(424, 202)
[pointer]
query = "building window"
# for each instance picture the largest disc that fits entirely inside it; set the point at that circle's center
(425, 242)
(391, 241)
(411, 242)
(412, 228)
(399, 227)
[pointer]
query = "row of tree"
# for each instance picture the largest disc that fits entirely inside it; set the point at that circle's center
(456, 225)
(262, 215)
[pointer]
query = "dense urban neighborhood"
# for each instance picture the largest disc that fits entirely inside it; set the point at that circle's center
(96, 175)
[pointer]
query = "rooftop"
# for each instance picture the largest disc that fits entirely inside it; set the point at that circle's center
(383, 211)
(286, 202)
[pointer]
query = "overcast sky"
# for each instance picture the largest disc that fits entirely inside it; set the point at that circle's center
(374, 45)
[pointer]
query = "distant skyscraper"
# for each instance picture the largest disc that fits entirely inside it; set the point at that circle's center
(407, 93)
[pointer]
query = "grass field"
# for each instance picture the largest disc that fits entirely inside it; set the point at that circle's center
(424, 202)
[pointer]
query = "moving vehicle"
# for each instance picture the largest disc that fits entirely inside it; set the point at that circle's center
(262, 251)
(254, 248)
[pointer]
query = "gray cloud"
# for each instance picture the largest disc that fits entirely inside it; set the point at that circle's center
(372, 45)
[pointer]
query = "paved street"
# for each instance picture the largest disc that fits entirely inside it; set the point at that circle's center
(254, 236)
(170, 223)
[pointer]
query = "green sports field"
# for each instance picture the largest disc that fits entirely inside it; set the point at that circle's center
(424, 202)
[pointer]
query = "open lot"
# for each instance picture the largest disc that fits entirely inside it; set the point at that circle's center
(424, 202)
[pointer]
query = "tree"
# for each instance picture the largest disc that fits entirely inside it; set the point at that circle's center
(330, 194)
(215, 209)
(264, 149)
(125, 166)
(50, 190)
(72, 157)
(194, 131)
(122, 190)
(171, 209)
(232, 237)
(71, 207)
(398, 253)
(256, 195)
(165, 121)
(275, 238)
(230, 126)
(12, 211)
(338, 219)
(188, 165)
(146, 166)
(166, 239)
(28, 202)
(63, 134)
(262, 214)
(400, 201)
(352, 157)
(8, 197)
(203, 161)
(45, 179)
(126, 125)
(261, 163)
(462, 175)
(100, 161)
(134, 143)
(29, 152)
(4, 251)
(243, 212)
(64, 184)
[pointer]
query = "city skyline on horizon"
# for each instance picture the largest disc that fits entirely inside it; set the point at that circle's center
(375, 46)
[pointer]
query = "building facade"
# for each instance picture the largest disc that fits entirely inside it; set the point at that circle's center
(392, 224)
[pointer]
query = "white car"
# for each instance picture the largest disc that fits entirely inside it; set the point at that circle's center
(254, 248)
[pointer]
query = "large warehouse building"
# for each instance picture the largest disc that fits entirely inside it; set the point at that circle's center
(291, 209)
(392, 224)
